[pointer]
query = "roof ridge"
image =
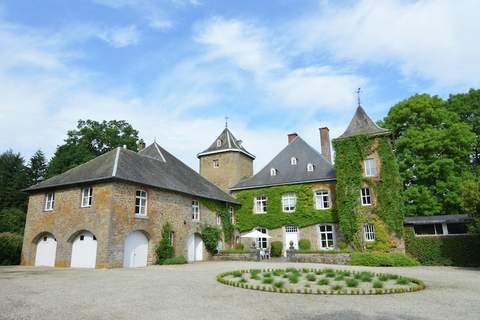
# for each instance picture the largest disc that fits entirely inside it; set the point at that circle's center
(115, 164)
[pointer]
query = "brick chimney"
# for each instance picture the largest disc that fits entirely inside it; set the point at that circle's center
(325, 143)
(291, 137)
(141, 145)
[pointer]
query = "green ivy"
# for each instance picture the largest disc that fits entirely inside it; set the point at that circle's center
(305, 213)
(210, 236)
(350, 154)
(222, 209)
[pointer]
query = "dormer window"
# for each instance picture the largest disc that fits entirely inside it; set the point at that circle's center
(293, 161)
(273, 172)
(310, 167)
(219, 143)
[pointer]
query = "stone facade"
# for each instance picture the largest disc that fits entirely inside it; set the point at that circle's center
(111, 218)
(233, 167)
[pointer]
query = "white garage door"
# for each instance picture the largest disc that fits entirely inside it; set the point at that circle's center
(136, 250)
(84, 251)
(291, 235)
(195, 248)
(46, 251)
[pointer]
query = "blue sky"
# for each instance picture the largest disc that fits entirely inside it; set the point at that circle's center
(175, 68)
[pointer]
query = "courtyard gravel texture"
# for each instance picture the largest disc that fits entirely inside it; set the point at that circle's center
(192, 292)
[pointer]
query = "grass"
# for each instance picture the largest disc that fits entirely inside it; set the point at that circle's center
(339, 277)
(351, 283)
(278, 284)
(384, 277)
(378, 284)
(175, 260)
(311, 277)
(336, 287)
(323, 282)
(403, 281)
(293, 278)
(236, 274)
(277, 273)
(267, 275)
(330, 274)
(267, 280)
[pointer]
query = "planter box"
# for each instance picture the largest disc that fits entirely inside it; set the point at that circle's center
(328, 258)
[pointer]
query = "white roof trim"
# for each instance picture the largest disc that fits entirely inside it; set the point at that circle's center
(226, 150)
(115, 164)
(281, 184)
(228, 141)
(160, 152)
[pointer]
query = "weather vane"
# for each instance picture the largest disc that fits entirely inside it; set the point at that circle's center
(226, 121)
(358, 96)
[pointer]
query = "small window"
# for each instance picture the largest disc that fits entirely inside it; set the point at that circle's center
(171, 237)
(366, 197)
(231, 211)
(219, 143)
(289, 202)
(219, 219)
(195, 211)
(141, 203)
(327, 241)
(370, 168)
(291, 229)
(262, 243)
(273, 172)
(44, 238)
(49, 201)
(216, 163)
(260, 204)
(86, 197)
(293, 161)
(457, 228)
(310, 167)
(82, 237)
(322, 199)
(369, 232)
(428, 229)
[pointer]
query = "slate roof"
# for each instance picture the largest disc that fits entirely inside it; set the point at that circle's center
(152, 166)
(228, 143)
(449, 218)
(362, 124)
(288, 173)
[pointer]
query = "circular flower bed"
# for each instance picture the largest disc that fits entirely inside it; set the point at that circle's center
(320, 281)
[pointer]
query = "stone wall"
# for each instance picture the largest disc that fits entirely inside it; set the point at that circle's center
(328, 258)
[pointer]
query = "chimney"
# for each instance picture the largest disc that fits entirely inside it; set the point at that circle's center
(291, 137)
(141, 145)
(325, 143)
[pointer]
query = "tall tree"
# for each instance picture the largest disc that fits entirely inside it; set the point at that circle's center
(467, 107)
(433, 149)
(89, 140)
(14, 176)
(38, 167)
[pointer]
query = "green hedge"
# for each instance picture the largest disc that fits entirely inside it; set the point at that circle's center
(276, 248)
(175, 260)
(10, 248)
(462, 250)
(382, 260)
(304, 245)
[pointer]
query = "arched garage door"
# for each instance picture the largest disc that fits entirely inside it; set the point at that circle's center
(136, 250)
(195, 248)
(84, 251)
(46, 251)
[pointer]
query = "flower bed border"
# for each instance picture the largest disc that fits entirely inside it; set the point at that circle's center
(417, 285)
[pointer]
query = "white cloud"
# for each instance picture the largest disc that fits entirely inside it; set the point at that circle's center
(121, 36)
(433, 40)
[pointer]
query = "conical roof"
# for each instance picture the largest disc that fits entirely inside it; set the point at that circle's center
(362, 124)
(226, 142)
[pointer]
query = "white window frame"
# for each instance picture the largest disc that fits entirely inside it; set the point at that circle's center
(370, 167)
(260, 204)
(369, 232)
(218, 219)
(310, 167)
(293, 161)
(49, 201)
(171, 237)
(216, 163)
(86, 197)
(323, 236)
(273, 172)
(141, 203)
(289, 202)
(231, 211)
(366, 197)
(262, 243)
(322, 199)
(195, 210)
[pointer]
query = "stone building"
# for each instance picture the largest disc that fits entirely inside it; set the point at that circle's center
(110, 211)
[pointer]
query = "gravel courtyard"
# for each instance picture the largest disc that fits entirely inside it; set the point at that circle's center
(191, 292)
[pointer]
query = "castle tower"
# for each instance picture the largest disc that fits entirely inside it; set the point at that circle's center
(226, 161)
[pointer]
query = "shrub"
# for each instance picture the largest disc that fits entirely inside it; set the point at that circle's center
(304, 244)
(267, 280)
(330, 274)
(239, 246)
(210, 236)
(459, 250)
(403, 281)
(340, 277)
(164, 250)
(10, 248)
(175, 260)
(276, 248)
(342, 245)
(382, 259)
(337, 287)
(323, 282)
(12, 220)
(236, 274)
(278, 284)
(278, 273)
(378, 284)
(311, 277)
(293, 278)
(352, 283)
(383, 277)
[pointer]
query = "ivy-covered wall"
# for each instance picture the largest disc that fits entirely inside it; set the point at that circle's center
(222, 209)
(305, 213)
(386, 189)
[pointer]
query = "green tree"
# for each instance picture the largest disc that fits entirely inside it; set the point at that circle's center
(89, 140)
(467, 107)
(14, 176)
(471, 201)
(433, 150)
(12, 220)
(38, 167)
(165, 250)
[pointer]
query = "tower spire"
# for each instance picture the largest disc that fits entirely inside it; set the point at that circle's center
(226, 121)
(358, 97)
